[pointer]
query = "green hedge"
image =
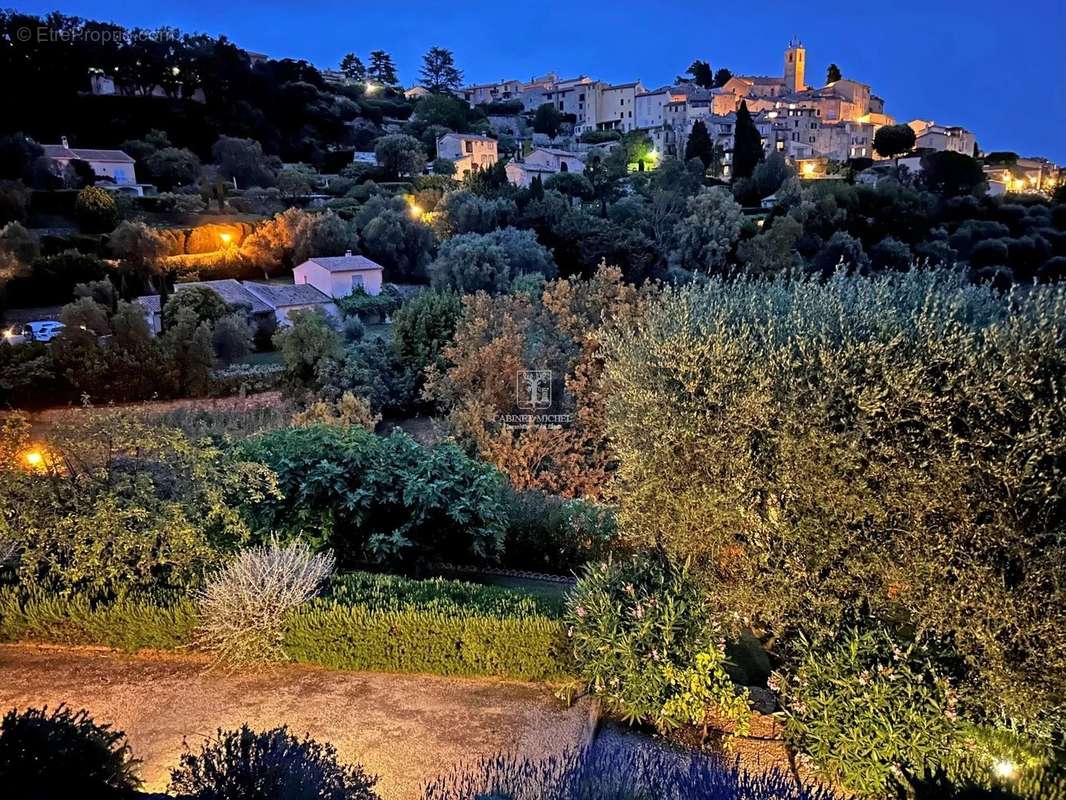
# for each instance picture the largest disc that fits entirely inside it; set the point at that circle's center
(353, 638)
(440, 627)
(379, 592)
(124, 625)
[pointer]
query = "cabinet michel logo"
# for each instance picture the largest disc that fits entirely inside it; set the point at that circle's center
(533, 396)
(533, 389)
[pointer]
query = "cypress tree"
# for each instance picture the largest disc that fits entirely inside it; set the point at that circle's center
(699, 144)
(747, 144)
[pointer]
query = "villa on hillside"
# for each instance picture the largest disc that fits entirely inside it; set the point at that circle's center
(264, 304)
(339, 276)
(113, 164)
(468, 151)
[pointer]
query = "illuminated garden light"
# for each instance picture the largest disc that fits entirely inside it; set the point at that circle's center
(34, 458)
(1005, 769)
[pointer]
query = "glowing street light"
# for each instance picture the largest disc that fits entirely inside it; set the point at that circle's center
(416, 211)
(808, 169)
(34, 459)
(226, 237)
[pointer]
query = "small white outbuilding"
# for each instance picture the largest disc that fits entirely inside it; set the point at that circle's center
(339, 276)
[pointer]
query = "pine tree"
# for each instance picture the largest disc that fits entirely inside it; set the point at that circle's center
(381, 69)
(439, 74)
(353, 68)
(699, 144)
(832, 75)
(747, 144)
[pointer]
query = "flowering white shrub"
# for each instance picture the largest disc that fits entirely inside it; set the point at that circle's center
(245, 604)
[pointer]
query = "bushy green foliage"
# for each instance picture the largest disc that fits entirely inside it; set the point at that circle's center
(62, 754)
(423, 327)
(870, 712)
(370, 369)
(206, 305)
(160, 621)
(706, 235)
(119, 504)
(880, 716)
(889, 447)
(546, 533)
(489, 262)
(271, 765)
(95, 210)
(310, 339)
(646, 644)
(363, 305)
(383, 499)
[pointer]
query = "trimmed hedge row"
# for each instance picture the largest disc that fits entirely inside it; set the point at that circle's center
(329, 633)
(124, 625)
(352, 638)
(453, 598)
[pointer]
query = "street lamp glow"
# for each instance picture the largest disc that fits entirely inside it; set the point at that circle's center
(416, 210)
(34, 458)
(226, 238)
(1005, 769)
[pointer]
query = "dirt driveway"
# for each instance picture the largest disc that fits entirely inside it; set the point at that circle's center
(405, 728)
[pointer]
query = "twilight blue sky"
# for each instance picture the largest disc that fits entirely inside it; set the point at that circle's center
(998, 68)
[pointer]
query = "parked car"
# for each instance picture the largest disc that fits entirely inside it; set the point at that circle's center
(15, 336)
(42, 331)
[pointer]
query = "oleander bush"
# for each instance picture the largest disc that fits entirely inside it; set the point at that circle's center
(269, 765)
(611, 770)
(880, 716)
(871, 712)
(245, 605)
(62, 754)
(645, 642)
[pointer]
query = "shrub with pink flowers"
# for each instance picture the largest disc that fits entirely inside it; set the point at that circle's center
(646, 646)
(881, 715)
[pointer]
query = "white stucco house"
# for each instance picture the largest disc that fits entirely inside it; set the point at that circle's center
(556, 160)
(113, 164)
(339, 276)
(544, 162)
(521, 173)
(468, 151)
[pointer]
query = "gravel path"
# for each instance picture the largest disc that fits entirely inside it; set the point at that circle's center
(404, 728)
